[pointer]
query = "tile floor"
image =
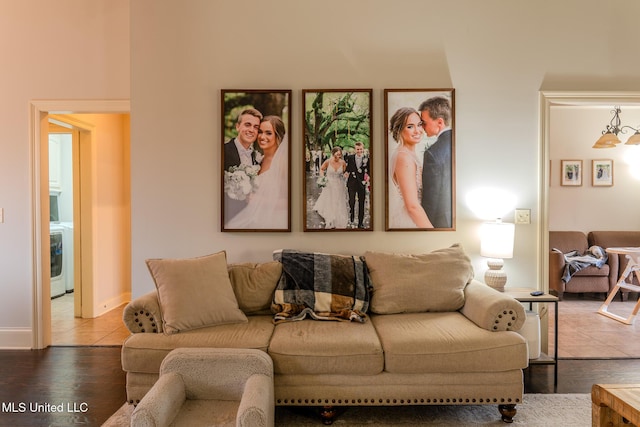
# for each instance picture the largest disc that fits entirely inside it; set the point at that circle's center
(66, 329)
(584, 333)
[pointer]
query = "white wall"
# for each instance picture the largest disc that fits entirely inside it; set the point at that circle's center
(67, 49)
(573, 131)
(497, 54)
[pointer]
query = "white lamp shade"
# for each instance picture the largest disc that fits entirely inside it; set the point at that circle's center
(497, 240)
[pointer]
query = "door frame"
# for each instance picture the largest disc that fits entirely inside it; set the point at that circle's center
(39, 111)
(547, 99)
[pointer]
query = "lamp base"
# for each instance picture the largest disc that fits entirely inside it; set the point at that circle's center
(495, 277)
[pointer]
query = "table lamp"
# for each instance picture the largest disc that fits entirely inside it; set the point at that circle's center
(496, 244)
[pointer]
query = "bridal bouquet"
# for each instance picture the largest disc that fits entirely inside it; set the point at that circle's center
(240, 181)
(322, 181)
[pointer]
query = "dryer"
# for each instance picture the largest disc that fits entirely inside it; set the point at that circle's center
(58, 284)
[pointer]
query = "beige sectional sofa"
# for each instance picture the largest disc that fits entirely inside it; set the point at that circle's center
(432, 335)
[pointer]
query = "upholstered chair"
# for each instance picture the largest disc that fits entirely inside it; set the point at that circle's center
(590, 279)
(209, 386)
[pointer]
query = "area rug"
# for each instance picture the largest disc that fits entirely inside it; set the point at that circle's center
(537, 410)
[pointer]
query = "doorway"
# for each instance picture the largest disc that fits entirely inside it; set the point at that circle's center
(575, 111)
(102, 227)
(75, 162)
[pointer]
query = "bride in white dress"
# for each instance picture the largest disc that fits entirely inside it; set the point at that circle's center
(405, 210)
(268, 206)
(333, 203)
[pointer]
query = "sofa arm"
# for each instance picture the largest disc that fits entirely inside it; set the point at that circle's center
(556, 271)
(257, 403)
(492, 310)
(143, 314)
(162, 403)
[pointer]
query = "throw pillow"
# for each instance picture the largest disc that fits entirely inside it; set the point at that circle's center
(417, 283)
(254, 285)
(194, 293)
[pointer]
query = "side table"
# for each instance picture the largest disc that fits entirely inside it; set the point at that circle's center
(524, 295)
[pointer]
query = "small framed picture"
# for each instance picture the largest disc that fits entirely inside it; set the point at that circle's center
(256, 160)
(602, 173)
(571, 173)
(338, 160)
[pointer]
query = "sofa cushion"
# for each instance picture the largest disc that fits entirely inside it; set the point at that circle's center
(416, 343)
(311, 347)
(592, 270)
(254, 284)
(417, 283)
(194, 293)
(144, 352)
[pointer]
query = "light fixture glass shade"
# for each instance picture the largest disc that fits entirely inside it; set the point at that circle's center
(496, 243)
(634, 139)
(607, 140)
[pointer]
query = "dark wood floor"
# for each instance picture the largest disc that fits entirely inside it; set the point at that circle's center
(89, 383)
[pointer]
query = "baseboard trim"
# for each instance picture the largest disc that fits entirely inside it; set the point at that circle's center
(16, 338)
(112, 303)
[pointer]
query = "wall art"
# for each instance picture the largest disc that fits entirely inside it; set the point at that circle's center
(420, 159)
(602, 173)
(571, 173)
(256, 160)
(337, 158)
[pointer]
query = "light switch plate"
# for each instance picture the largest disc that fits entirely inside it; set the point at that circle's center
(1, 215)
(523, 216)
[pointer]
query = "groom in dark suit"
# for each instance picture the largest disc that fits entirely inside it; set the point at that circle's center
(239, 150)
(358, 171)
(437, 192)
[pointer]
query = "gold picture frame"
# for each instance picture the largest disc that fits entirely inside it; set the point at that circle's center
(571, 173)
(602, 173)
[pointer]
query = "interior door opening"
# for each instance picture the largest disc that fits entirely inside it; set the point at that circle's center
(77, 160)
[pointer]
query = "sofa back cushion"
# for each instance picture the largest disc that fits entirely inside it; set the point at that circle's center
(418, 283)
(608, 239)
(567, 241)
(254, 284)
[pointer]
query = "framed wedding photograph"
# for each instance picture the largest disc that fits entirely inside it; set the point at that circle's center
(420, 159)
(337, 158)
(602, 173)
(571, 173)
(256, 160)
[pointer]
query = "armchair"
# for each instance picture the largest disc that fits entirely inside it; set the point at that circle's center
(209, 386)
(590, 279)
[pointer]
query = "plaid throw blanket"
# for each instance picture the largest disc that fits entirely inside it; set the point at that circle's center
(321, 286)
